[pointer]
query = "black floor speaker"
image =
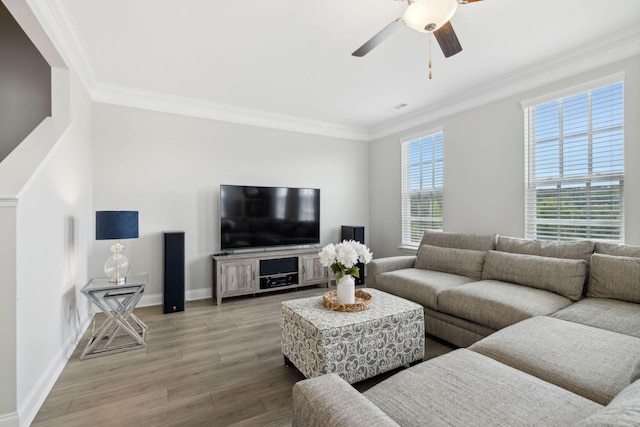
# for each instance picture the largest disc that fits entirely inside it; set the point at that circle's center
(355, 232)
(173, 271)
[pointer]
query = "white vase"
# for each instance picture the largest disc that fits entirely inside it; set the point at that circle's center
(346, 290)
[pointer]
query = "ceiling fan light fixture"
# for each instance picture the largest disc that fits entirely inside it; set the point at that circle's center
(426, 16)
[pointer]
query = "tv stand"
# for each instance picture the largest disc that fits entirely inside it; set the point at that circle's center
(253, 273)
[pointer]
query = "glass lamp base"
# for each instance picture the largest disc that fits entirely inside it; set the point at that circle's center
(117, 265)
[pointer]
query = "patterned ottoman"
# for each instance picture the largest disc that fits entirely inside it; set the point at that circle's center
(356, 345)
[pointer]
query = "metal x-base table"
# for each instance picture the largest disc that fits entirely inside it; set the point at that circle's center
(117, 303)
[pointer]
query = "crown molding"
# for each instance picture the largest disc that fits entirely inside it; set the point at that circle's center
(56, 20)
(58, 24)
(155, 101)
(618, 46)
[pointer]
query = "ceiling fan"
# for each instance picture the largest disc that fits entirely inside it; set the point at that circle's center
(425, 16)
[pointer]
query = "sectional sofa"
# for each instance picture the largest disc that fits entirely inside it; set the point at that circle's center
(473, 285)
(550, 334)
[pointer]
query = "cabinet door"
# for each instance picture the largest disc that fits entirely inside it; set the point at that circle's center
(238, 277)
(313, 270)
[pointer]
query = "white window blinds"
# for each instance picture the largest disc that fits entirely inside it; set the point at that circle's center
(574, 166)
(422, 186)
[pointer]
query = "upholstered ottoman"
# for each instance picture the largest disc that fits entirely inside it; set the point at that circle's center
(354, 345)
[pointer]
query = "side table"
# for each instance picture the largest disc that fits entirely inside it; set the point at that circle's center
(117, 303)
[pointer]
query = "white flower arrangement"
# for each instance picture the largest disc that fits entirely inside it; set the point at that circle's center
(343, 257)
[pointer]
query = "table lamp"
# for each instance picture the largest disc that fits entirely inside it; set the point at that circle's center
(116, 225)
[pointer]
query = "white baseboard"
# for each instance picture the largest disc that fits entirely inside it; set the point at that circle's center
(196, 294)
(10, 419)
(36, 397)
(148, 300)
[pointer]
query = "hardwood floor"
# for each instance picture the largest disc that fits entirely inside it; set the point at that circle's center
(207, 366)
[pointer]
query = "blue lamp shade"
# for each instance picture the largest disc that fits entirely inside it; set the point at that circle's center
(116, 225)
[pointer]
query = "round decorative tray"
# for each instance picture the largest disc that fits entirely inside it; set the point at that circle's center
(363, 301)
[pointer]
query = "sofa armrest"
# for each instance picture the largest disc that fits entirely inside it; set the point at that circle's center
(329, 400)
(382, 265)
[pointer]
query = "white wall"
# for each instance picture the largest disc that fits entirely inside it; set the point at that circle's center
(45, 207)
(46, 220)
(45, 204)
(169, 168)
(54, 241)
(484, 166)
(8, 332)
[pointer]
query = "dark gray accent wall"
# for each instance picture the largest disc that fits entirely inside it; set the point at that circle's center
(25, 84)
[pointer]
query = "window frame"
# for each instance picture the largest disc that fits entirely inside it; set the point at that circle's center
(432, 194)
(562, 182)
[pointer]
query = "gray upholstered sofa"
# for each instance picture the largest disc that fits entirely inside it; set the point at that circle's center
(473, 285)
(552, 330)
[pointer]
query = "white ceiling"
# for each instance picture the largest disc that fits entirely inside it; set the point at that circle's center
(292, 58)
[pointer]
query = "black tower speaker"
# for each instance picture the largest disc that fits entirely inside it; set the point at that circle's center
(355, 232)
(173, 271)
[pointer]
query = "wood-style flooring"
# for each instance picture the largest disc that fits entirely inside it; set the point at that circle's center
(207, 366)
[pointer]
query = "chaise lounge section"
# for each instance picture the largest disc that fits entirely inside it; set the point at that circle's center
(501, 382)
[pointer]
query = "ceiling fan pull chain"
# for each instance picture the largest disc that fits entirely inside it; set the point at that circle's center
(430, 75)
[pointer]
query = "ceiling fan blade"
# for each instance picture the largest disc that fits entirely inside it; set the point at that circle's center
(448, 40)
(381, 36)
(467, 1)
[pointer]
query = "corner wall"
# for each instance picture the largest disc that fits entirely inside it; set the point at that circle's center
(54, 243)
(484, 166)
(45, 212)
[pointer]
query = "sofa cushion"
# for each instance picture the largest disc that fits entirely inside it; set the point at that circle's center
(497, 304)
(565, 277)
(465, 262)
(572, 250)
(617, 249)
(445, 239)
(421, 286)
(614, 277)
(591, 362)
(464, 388)
(613, 315)
(624, 410)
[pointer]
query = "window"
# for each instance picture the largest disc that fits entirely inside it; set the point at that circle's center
(574, 166)
(421, 186)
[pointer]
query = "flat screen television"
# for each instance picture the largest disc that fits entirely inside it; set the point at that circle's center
(263, 217)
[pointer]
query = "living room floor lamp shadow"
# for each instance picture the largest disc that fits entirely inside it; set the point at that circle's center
(116, 225)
